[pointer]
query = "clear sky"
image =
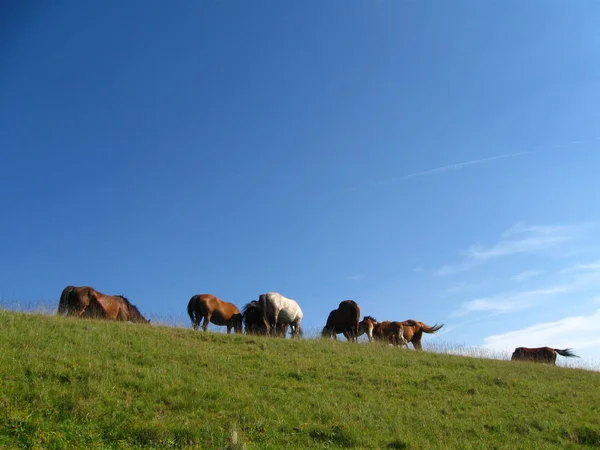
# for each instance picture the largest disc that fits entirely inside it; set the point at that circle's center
(430, 160)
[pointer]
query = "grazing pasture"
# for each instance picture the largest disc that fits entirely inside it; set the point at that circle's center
(71, 383)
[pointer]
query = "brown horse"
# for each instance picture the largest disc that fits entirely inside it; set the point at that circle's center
(344, 319)
(366, 326)
(541, 354)
(65, 305)
(413, 332)
(214, 310)
(86, 302)
(254, 321)
(390, 331)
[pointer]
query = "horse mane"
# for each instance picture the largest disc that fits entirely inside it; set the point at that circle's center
(131, 306)
(128, 303)
(371, 318)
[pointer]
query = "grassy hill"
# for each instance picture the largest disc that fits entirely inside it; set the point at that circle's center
(67, 383)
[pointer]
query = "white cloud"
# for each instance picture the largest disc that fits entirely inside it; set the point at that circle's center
(582, 268)
(578, 332)
(357, 277)
(584, 280)
(451, 270)
(520, 238)
(526, 275)
(523, 239)
(460, 288)
(510, 302)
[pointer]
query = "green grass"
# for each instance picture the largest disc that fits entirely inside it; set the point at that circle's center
(67, 383)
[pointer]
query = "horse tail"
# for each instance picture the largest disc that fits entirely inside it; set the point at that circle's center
(566, 352)
(63, 303)
(191, 310)
(433, 329)
(262, 304)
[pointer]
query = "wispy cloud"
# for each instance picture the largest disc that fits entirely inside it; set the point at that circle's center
(526, 275)
(453, 269)
(520, 238)
(447, 168)
(582, 268)
(356, 277)
(523, 239)
(578, 281)
(461, 288)
(509, 302)
(577, 332)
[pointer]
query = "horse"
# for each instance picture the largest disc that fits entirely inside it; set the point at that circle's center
(541, 354)
(366, 326)
(86, 302)
(254, 323)
(344, 319)
(214, 310)
(278, 309)
(65, 305)
(413, 332)
(392, 331)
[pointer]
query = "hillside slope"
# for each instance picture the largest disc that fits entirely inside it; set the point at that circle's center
(67, 383)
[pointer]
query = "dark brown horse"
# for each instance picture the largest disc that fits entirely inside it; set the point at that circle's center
(390, 331)
(86, 302)
(65, 305)
(344, 319)
(541, 354)
(254, 323)
(366, 326)
(214, 310)
(413, 332)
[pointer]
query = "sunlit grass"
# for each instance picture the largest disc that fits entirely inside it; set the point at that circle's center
(70, 383)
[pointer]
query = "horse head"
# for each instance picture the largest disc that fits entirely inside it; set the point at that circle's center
(135, 315)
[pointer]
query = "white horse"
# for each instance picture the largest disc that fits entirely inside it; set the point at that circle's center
(280, 310)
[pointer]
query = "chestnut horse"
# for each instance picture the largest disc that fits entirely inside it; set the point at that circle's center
(344, 319)
(541, 354)
(392, 331)
(86, 302)
(214, 310)
(366, 326)
(413, 332)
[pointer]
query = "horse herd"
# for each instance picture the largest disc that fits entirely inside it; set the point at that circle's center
(273, 315)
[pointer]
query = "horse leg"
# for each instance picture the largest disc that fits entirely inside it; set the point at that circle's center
(206, 320)
(274, 324)
(122, 315)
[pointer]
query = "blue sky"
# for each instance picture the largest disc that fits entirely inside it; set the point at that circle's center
(430, 161)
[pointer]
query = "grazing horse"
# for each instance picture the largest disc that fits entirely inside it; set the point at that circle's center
(392, 331)
(344, 319)
(86, 302)
(278, 309)
(366, 326)
(541, 354)
(413, 332)
(254, 323)
(214, 310)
